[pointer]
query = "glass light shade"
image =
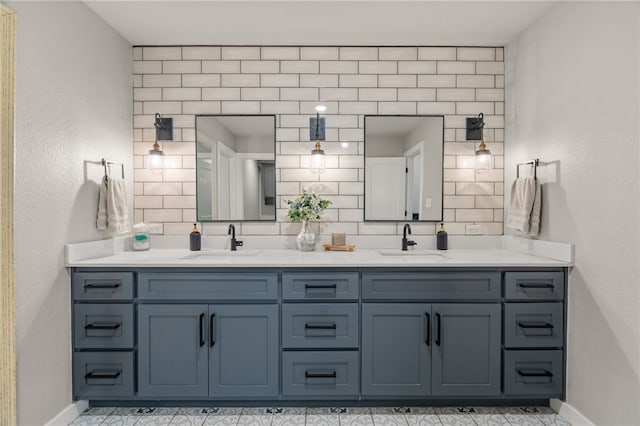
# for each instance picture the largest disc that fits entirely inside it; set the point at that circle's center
(155, 160)
(318, 164)
(483, 157)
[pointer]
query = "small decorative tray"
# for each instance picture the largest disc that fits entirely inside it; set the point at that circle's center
(345, 247)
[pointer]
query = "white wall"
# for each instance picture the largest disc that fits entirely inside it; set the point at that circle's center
(73, 104)
(572, 100)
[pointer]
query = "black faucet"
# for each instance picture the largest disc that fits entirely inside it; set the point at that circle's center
(234, 243)
(406, 243)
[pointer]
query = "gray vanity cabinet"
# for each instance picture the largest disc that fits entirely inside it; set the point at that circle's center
(446, 349)
(466, 349)
(172, 351)
(396, 349)
(207, 350)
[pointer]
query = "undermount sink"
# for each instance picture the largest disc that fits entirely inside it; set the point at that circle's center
(410, 253)
(222, 253)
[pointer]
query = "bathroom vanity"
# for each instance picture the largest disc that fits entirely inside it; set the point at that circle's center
(283, 325)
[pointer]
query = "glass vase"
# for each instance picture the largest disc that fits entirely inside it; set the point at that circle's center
(306, 239)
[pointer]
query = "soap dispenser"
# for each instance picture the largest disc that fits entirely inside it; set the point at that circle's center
(195, 239)
(442, 238)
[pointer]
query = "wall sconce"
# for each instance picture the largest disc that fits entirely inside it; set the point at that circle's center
(475, 131)
(316, 132)
(164, 132)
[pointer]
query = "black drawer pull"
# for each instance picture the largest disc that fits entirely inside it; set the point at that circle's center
(93, 375)
(212, 330)
(308, 375)
(201, 329)
(320, 286)
(102, 326)
(535, 325)
(319, 326)
(535, 373)
(427, 328)
(102, 286)
(438, 329)
(535, 285)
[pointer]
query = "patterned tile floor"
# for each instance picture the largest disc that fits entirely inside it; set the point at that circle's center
(298, 416)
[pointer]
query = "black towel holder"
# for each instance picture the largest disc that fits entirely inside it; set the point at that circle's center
(534, 163)
(107, 163)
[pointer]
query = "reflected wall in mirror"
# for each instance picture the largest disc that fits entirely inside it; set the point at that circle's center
(235, 167)
(403, 167)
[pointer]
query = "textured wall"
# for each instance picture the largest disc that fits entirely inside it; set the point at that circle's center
(73, 107)
(180, 82)
(573, 102)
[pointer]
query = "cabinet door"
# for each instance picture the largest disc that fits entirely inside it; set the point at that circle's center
(243, 357)
(396, 349)
(172, 351)
(466, 350)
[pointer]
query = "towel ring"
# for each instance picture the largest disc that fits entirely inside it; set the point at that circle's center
(107, 163)
(534, 163)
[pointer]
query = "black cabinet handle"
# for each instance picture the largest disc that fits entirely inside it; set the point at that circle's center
(93, 375)
(102, 326)
(320, 326)
(308, 375)
(102, 286)
(438, 330)
(201, 329)
(535, 325)
(535, 373)
(212, 329)
(535, 285)
(321, 286)
(427, 328)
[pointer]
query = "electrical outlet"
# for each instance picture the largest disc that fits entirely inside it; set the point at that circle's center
(473, 229)
(155, 228)
(427, 203)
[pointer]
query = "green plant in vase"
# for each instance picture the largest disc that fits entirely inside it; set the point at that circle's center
(306, 207)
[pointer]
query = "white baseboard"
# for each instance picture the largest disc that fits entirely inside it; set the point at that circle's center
(575, 417)
(67, 415)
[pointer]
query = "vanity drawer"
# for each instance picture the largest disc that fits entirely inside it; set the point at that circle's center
(327, 374)
(320, 325)
(529, 325)
(102, 325)
(102, 285)
(538, 373)
(534, 285)
(208, 286)
(320, 286)
(413, 286)
(102, 374)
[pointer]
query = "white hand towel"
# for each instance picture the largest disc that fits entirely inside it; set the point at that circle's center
(534, 220)
(112, 206)
(523, 195)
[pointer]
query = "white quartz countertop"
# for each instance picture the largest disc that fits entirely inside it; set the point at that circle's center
(283, 258)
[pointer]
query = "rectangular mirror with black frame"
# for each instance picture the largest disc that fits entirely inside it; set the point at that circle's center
(235, 168)
(403, 167)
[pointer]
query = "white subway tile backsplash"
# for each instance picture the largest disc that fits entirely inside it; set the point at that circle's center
(161, 80)
(201, 52)
(220, 67)
(437, 53)
(476, 54)
(338, 67)
(397, 81)
(456, 67)
(161, 53)
(181, 67)
(299, 67)
(378, 67)
(289, 81)
(280, 53)
(358, 53)
(220, 94)
(240, 107)
(240, 52)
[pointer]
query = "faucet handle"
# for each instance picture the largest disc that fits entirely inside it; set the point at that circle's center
(239, 243)
(411, 243)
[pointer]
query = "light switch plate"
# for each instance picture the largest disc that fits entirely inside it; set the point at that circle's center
(155, 228)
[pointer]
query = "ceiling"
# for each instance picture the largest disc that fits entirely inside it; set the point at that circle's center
(312, 22)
